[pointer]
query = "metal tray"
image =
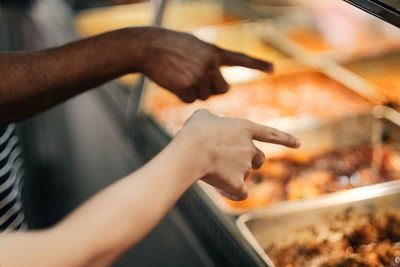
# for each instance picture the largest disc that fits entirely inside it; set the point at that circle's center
(382, 71)
(379, 126)
(277, 225)
(271, 34)
(388, 10)
(310, 32)
(277, 33)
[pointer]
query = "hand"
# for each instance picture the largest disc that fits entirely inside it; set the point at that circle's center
(225, 151)
(187, 66)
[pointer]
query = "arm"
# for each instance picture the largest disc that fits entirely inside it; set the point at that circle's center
(218, 150)
(31, 82)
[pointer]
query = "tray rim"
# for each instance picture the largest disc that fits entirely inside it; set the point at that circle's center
(320, 202)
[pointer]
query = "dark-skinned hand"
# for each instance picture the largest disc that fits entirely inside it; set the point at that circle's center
(189, 67)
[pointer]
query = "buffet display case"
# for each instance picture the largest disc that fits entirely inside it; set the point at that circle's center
(336, 86)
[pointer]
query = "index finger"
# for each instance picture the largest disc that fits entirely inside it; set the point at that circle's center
(230, 58)
(271, 135)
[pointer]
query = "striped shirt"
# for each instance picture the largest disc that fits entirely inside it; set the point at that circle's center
(11, 173)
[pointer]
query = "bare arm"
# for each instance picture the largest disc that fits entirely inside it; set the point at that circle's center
(218, 150)
(31, 82)
(34, 81)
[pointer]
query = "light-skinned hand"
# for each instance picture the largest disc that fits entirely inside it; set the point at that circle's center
(224, 149)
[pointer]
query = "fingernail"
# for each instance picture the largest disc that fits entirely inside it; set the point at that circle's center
(272, 69)
(298, 142)
(236, 198)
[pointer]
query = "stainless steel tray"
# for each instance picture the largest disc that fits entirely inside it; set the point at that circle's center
(381, 125)
(382, 71)
(280, 225)
(276, 33)
(311, 31)
(388, 10)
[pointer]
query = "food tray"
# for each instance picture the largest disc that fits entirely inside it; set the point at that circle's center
(283, 224)
(379, 126)
(381, 71)
(337, 31)
(308, 94)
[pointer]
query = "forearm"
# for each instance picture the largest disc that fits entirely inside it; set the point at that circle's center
(218, 150)
(31, 82)
(112, 221)
(132, 207)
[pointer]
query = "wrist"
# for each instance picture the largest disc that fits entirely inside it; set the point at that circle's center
(194, 153)
(140, 46)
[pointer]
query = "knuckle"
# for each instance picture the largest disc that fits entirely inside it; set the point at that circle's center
(258, 164)
(199, 74)
(190, 80)
(242, 195)
(224, 88)
(247, 166)
(188, 83)
(203, 94)
(272, 133)
(188, 99)
(237, 186)
(245, 125)
(261, 155)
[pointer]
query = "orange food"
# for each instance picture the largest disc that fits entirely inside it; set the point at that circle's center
(307, 93)
(286, 178)
(368, 239)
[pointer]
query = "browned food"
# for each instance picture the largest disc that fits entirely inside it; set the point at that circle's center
(307, 93)
(291, 177)
(369, 239)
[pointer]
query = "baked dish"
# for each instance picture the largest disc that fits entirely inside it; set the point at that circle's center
(300, 176)
(352, 239)
(308, 93)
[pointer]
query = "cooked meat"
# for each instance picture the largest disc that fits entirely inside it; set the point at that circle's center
(293, 177)
(264, 99)
(367, 239)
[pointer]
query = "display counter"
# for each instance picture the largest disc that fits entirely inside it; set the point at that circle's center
(333, 87)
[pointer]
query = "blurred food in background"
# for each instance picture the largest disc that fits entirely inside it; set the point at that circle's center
(307, 37)
(339, 31)
(326, 56)
(303, 93)
(178, 16)
(300, 175)
(240, 37)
